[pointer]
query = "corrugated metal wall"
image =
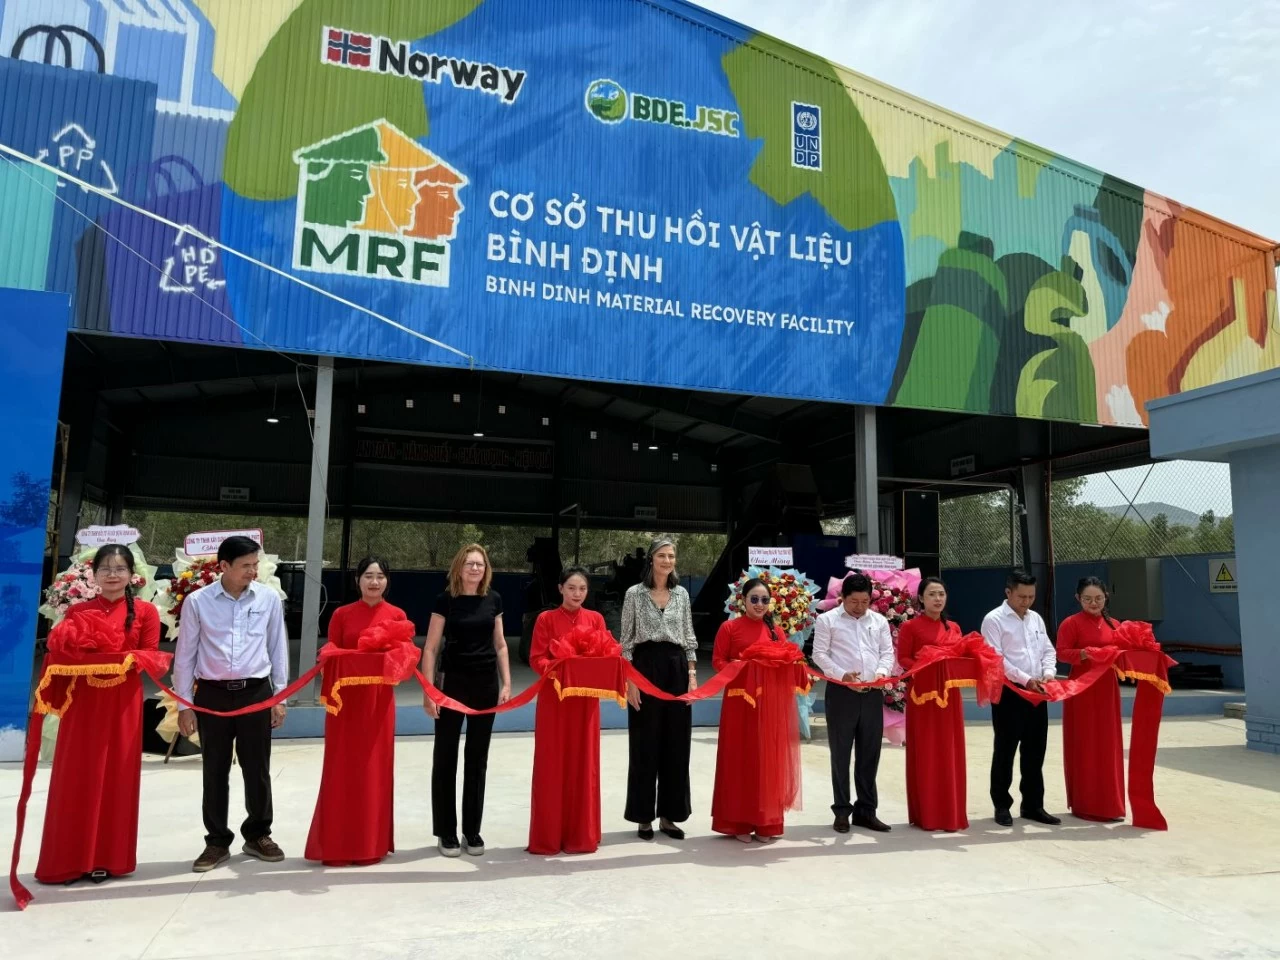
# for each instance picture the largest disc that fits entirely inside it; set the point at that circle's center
(992, 276)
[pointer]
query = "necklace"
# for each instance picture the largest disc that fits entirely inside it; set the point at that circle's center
(573, 617)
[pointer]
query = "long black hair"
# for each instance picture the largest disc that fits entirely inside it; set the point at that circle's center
(925, 584)
(1097, 582)
(751, 585)
(368, 562)
(118, 550)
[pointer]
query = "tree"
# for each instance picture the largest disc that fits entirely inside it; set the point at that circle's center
(28, 505)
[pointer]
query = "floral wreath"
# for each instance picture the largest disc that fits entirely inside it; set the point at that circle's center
(76, 584)
(791, 597)
(192, 573)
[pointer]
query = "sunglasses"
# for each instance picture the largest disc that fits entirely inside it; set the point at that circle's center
(758, 601)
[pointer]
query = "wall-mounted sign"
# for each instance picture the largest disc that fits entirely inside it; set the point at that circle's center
(770, 556)
(100, 536)
(436, 451)
(962, 465)
(234, 494)
(206, 544)
(646, 513)
(1222, 576)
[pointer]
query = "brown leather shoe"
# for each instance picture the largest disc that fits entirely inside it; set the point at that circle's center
(265, 849)
(211, 858)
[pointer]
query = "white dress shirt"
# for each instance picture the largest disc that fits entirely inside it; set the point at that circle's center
(1023, 642)
(843, 643)
(226, 638)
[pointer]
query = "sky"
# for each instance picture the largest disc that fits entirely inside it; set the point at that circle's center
(1179, 96)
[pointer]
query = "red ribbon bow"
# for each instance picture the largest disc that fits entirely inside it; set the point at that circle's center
(88, 632)
(585, 641)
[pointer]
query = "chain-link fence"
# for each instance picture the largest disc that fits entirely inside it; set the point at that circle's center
(979, 530)
(162, 532)
(411, 545)
(1162, 509)
(696, 553)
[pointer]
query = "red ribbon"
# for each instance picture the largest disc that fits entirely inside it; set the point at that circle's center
(75, 653)
(1135, 654)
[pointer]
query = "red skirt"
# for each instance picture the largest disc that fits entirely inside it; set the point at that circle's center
(564, 813)
(936, 777)
(353, 820)
(1093, 751)
(91, 817)
(757, 754)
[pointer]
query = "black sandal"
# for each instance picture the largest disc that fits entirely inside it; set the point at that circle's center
(645, 833)
(98, 876)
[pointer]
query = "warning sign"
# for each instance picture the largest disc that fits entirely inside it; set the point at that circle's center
(1222, 576)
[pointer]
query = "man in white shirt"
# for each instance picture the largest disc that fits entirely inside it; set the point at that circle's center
(1018, 633)
(234, 651)
(853, 643)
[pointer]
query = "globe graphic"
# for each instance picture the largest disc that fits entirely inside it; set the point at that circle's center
(607, 101)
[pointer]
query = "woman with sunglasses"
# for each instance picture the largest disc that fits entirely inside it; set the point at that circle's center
(758, 749)
(91, 816)
(1092, 741)
(466, 657)
(936, 775)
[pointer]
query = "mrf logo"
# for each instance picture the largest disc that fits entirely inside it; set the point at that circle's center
(373, 202)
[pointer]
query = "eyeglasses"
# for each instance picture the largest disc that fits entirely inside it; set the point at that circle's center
(475, 564)
(113, 572)
(758, 601)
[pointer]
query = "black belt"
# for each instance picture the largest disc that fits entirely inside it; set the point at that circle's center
(234, 684)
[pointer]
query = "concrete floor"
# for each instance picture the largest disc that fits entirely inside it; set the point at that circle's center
(1207, 888)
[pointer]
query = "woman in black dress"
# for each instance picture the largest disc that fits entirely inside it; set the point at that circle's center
(466, 657)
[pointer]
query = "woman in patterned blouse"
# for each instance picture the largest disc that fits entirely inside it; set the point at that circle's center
(657, 636)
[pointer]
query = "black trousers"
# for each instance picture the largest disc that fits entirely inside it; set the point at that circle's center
(659, 737)
(250, 736)
(478, 690)
(1019, 725)
(855, 725)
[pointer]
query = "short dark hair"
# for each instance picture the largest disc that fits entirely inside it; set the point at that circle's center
(233, 548)
(1019, 578)
(855, 583)
(575, 571)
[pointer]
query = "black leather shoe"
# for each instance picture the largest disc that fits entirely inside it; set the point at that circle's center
(1040, 816)
(645, 833)
(1004, 818)
(871, 822)
(842, 824)
(674, 832)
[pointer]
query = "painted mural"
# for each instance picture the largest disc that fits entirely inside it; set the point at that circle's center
(701, 207)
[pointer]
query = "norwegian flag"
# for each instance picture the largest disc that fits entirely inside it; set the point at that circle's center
(350, 49)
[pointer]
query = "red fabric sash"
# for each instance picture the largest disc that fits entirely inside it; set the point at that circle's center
(74, 661)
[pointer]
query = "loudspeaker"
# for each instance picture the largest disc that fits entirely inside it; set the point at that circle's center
(919, 512)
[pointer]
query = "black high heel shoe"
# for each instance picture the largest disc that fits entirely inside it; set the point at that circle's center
(674, 832)
(645, 833)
